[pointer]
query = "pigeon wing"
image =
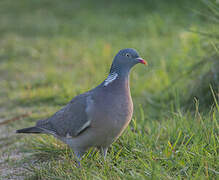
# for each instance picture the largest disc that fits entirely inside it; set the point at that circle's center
(70, 120)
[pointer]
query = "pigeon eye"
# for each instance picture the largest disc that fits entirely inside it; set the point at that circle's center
(128, 55)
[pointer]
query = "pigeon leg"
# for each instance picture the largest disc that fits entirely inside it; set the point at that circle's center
(78, 155)
(104, 152)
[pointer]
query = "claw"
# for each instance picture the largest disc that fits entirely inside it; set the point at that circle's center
(104, 152)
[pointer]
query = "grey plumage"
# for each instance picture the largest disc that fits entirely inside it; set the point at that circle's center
(98, 117)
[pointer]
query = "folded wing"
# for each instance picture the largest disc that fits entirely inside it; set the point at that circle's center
(71, 120)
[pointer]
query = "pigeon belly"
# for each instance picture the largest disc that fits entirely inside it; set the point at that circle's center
(113, 116)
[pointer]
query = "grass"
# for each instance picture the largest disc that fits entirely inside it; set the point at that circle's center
(53, 50)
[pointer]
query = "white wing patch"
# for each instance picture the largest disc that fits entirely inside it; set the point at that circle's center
(89, 105)
(110, 78)
(84, 126)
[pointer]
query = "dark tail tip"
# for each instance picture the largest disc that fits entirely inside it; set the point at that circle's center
(29, 130)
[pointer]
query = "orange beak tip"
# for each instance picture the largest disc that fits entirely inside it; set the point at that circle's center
(142, 61)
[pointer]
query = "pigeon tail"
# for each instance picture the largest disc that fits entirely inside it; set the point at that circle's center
(30, 130)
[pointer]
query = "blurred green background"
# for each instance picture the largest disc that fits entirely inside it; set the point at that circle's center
(51, 51)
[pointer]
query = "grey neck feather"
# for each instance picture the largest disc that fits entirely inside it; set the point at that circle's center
(117, 73)
(122, 72)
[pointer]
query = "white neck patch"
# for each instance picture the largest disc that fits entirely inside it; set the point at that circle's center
(112, 76)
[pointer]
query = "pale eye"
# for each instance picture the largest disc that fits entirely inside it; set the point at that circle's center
(128, 55)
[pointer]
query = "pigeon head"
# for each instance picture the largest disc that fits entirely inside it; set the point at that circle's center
(125, 60)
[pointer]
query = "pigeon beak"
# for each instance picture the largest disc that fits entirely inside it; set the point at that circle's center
(142, 61)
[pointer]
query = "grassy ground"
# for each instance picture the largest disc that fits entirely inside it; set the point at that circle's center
(51, 51)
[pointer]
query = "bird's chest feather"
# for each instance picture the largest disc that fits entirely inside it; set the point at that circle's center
(119, 108)
(114, 109)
